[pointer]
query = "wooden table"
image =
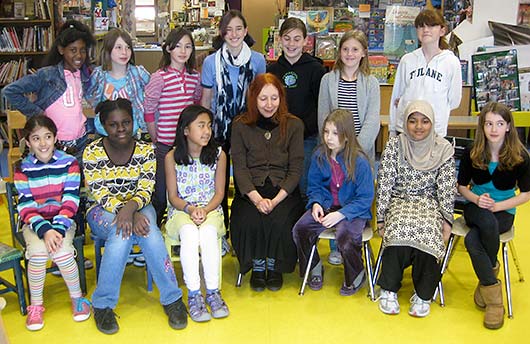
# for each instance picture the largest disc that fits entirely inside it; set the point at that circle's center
(455, 122)
(521, 119)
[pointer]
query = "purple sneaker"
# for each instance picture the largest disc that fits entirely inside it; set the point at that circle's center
(316, 282)
(352, 289)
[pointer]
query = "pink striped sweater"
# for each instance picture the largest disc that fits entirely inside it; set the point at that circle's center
(168, 93)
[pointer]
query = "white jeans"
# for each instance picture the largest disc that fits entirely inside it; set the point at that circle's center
(205, 239)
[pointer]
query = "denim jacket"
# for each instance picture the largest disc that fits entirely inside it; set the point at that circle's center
(137, 78)
(48, 84)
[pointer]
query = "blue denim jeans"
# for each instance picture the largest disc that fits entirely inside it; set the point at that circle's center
(115, 258)
(310, 144)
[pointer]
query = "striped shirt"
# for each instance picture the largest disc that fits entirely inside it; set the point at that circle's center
(169, 92)
(48, 192)
(347, 99)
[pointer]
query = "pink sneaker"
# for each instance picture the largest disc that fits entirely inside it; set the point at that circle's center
(35, 321)
(81, 309)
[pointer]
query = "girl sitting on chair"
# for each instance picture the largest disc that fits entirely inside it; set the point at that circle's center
(47, 181)
(195, 179)
(490, 171)
(120, 173)
(415, 196)
(340, 192)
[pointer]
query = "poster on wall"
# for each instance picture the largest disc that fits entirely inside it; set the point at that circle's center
(524, 88)
(318, 22)
(496, 79)
(400, 33)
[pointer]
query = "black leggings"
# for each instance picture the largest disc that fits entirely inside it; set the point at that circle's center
(482, 241)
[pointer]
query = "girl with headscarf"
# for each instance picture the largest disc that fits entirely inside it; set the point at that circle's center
(415, 196)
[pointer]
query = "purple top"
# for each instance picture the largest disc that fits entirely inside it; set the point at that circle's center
(337, 177)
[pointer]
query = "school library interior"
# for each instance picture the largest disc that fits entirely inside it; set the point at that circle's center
(432, 86)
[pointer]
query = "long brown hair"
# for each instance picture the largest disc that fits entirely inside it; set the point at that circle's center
(359, 36)
(343, 121)
(281, 117)
(433, 18)
(512, 150)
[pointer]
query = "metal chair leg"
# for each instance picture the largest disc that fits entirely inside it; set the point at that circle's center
(239, 279)
(445, 263)
(516, 260)
(368, 258)
(507, 279)
(308, 268)
(378, 264)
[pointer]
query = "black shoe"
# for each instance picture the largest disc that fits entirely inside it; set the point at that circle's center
(257, 280)
(106, 320)
(274, 280)
(177, 314)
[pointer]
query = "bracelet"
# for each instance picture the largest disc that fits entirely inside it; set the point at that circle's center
(185, 209)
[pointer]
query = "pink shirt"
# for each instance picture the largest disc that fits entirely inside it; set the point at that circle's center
(337, 177)
(67, 111)
(169, 92)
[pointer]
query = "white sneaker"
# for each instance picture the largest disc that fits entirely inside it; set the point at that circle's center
(388, 302)
(335, 258)
(419, 307)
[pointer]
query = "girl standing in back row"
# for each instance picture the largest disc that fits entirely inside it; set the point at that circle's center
(59, 87)
(119, 77)
(171, 88)
(431, 73)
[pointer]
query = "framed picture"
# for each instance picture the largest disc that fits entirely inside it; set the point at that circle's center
(19, 10)
(496, 78)
(326, 47)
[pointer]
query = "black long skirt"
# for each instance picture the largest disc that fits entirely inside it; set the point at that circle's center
(259, 236)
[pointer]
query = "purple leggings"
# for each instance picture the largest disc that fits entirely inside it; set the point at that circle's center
(349, 235)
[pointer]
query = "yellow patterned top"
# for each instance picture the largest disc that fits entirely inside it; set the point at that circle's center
(113, 185)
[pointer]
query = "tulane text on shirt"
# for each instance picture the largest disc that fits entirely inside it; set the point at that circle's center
(421, 72)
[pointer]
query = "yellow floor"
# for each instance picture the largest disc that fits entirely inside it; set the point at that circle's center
(285, 317)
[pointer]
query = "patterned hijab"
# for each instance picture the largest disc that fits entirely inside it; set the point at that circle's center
(431, 152)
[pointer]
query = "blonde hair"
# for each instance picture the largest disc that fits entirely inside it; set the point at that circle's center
(343, 121)
(360, 37)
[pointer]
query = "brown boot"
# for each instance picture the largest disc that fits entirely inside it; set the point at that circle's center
(479, 301)
(492, 296)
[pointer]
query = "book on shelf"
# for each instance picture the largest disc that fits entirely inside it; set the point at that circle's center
(13, 70)
(25, 39)
(42, 9)
(379, 67)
